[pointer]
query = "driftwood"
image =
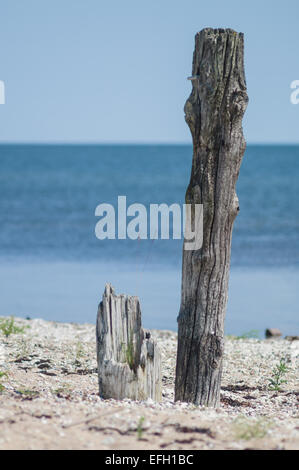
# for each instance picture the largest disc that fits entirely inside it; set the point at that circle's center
(129, 362)
(214, 114)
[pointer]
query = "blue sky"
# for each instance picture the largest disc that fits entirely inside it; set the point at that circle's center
(115, 71)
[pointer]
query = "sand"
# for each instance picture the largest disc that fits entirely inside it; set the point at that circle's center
(49, 397)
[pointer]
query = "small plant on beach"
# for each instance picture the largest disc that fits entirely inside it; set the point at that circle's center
(2, 374)
(24, 349)
(9, 327)
(278, 374)
(249, 335)
(27, 394)
(79, 351)
(247, 429)
(64, 391)
(140, 428)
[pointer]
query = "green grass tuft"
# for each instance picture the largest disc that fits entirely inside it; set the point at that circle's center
(140, 428)
(278, 375)
(9, 327)
(249, 335)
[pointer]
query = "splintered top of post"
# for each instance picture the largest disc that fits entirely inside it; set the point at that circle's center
(218, 31)
(218, 58)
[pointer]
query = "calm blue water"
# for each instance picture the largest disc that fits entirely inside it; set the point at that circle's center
(53, 266)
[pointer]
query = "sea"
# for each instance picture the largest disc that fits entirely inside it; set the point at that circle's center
(52, 265)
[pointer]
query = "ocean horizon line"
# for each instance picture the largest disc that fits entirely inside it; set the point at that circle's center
(132, 144)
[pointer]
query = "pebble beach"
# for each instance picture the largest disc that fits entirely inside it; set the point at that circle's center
(49, 396)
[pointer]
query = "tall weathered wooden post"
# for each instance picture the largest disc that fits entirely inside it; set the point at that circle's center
(214, 113)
